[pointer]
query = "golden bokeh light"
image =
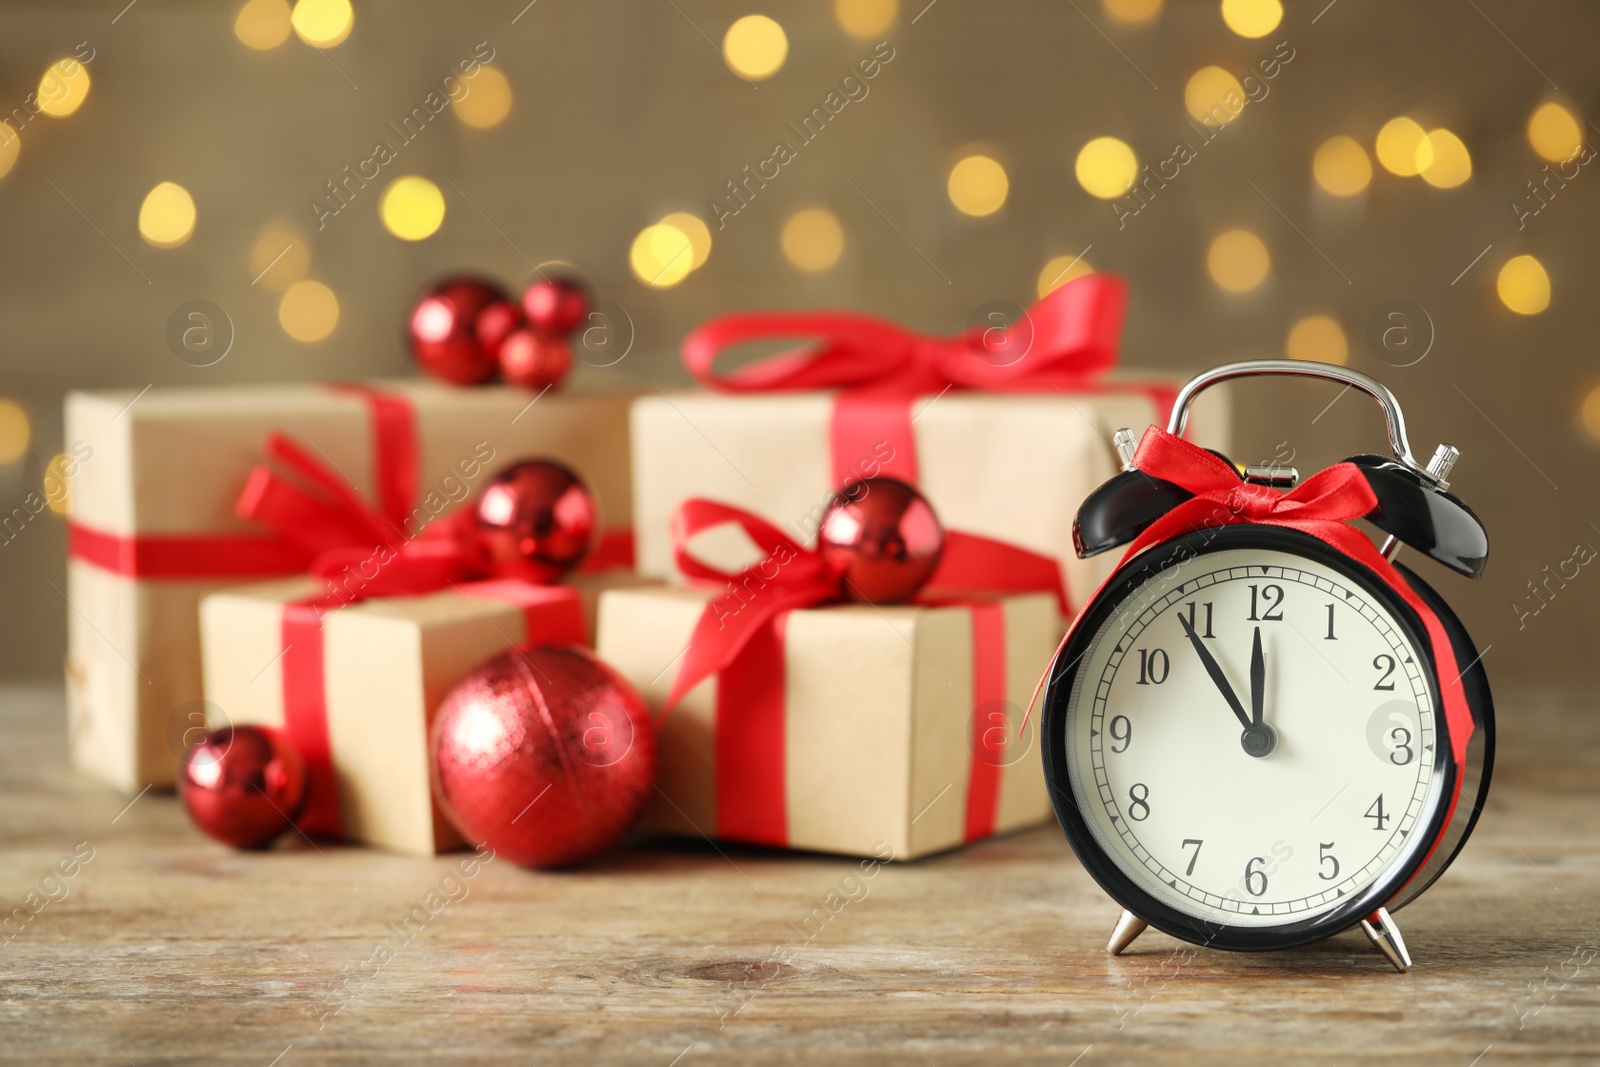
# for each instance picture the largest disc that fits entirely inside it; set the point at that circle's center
(57, 485)
(308, 311)
(1554, 132)
(488, 99)
(1132, 12)
(1061, 270)
(755, 47)
(1207, 95)
(412, 208)
(1106, 168)
(15, 431)
(1341, 166)
(865, 19)
(978, 186)
(279, 258)
(1590, 413)
(263, 24)
(1523, 285)
(1449, 164)
(1252, 18)
(697, 232)
(661, 256)
(1403, 147)
(323, 23)
(63, 88)
(10, 145)
(166, 218)
(1319, 338)
(1238, 261)
(812, 239)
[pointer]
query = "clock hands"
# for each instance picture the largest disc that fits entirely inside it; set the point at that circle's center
(1258, 738)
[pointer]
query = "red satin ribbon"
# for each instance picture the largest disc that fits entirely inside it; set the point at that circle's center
(551, 614)
(1321, 506)
(1066, 342)
(739, 638)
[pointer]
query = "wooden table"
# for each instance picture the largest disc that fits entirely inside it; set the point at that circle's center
(168, 948)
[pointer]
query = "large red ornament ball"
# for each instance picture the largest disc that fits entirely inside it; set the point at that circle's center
(243, 785)
(533, 360)
(444, 334)
(545, 754)
(882, 539)
(555, 306)
(536, 520)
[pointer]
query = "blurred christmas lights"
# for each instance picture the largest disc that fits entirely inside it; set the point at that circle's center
(167, 216)
(1237, 261)
(755, 47)
(812, 239)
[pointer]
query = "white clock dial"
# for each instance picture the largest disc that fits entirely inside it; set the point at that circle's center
(1167, 769)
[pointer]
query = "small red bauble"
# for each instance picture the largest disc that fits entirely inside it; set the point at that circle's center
(495, 323)
(536, 520)
(555, 306)
(545, 754)
(534, 360)
(243, 785)
(443, 328)
(882, 539)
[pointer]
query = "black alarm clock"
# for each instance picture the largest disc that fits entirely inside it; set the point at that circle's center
(1259, 732)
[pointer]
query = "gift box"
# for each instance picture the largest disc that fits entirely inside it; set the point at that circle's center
(356, 688)
(847, 727)
(1004, 437)
(153, 526)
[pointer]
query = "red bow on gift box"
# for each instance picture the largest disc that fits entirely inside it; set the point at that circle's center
(1064, 340)
(338, 531)
(791, 576)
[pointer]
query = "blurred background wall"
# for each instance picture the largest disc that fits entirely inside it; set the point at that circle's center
(1279, 226)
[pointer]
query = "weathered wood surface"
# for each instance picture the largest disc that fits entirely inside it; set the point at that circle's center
(167, 948)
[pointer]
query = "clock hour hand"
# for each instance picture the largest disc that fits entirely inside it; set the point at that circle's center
(1215, 670)
(1258, 678)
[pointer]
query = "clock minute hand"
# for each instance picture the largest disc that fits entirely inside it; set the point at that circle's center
(1258, 678)
(1215, 670)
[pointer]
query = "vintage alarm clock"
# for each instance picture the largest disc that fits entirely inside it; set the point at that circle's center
(1260, 732)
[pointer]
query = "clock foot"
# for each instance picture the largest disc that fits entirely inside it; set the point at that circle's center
(1129, 927)
(1385, 937)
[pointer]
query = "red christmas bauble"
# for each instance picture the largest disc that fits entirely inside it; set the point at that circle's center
(536, 520)
(243, 785)
(443, 328)
(882, 538)
(555, 306)
(545, 754)
(495, 323)
(533, 360)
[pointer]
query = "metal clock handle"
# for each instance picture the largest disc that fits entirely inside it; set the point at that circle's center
(1434, 474)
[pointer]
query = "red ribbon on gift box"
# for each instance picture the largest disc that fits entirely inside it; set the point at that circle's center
(396, 464)
(739, 638)
(1065, 342)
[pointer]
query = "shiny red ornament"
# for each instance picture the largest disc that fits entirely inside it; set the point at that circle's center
(544, 753)
(536, 520)
(555, 306)
(533, 360)
(495, 323)
(882, 538)
(243, 785)
(443, 328)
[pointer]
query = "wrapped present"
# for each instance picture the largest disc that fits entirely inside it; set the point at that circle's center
(154, 526)
(355, 688)
(1005, 432)
(793, 720)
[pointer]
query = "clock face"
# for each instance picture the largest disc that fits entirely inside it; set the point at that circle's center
(1250, 737)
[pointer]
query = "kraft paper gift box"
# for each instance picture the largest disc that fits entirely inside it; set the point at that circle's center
(1005, 432)
(357, 691)
(153, 528)
(853, 727)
